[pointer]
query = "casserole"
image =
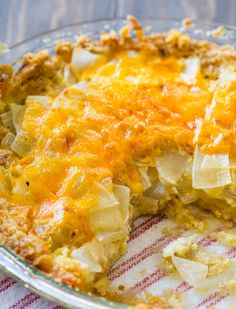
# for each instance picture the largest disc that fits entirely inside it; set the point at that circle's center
(54, 159)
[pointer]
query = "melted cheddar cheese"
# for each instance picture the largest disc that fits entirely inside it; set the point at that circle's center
(86, 161)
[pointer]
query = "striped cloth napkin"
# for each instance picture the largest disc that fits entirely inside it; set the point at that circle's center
(14, 296)
(137, 271)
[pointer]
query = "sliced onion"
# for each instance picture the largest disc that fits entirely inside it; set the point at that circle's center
(8, 139)
(61, 101)
(157, 191)
(107, 219)
(106, 198)
(91, 256)
(7, 121)
(194, 273)
(218, 280)
(20, 187)
(22, 143)
(17, 115)
(44, 101)
(227, 75)
(149, 202)
(146, 182)
(107, 237)
(180, 246)
(208, 178)
(75, 92)
(69, 77)
(110, 215)
(81, 86)
(81, 59)
(171, 165)
(215, 161)
(192, 68)
(123, 195)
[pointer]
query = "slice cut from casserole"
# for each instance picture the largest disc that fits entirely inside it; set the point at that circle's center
(107, 131)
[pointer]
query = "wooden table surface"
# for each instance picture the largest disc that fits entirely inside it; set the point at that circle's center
(21, 19)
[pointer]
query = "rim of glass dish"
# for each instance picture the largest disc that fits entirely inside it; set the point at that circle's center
(122, 18)
(90, 300)
(202, 30)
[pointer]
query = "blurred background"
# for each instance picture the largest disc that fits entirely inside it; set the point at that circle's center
(22, 19)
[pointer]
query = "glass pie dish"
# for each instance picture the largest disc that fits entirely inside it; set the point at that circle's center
(11, 263)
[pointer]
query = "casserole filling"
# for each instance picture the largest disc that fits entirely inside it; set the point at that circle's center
(105, 132)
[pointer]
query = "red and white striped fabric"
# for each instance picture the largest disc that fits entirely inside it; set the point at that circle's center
(14, 296)
(138, 271)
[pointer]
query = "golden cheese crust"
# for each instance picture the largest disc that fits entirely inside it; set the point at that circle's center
(96, 120)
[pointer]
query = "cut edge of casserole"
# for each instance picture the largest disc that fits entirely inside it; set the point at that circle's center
(106, 131)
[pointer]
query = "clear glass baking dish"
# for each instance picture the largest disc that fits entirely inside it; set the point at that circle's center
(13, 264)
